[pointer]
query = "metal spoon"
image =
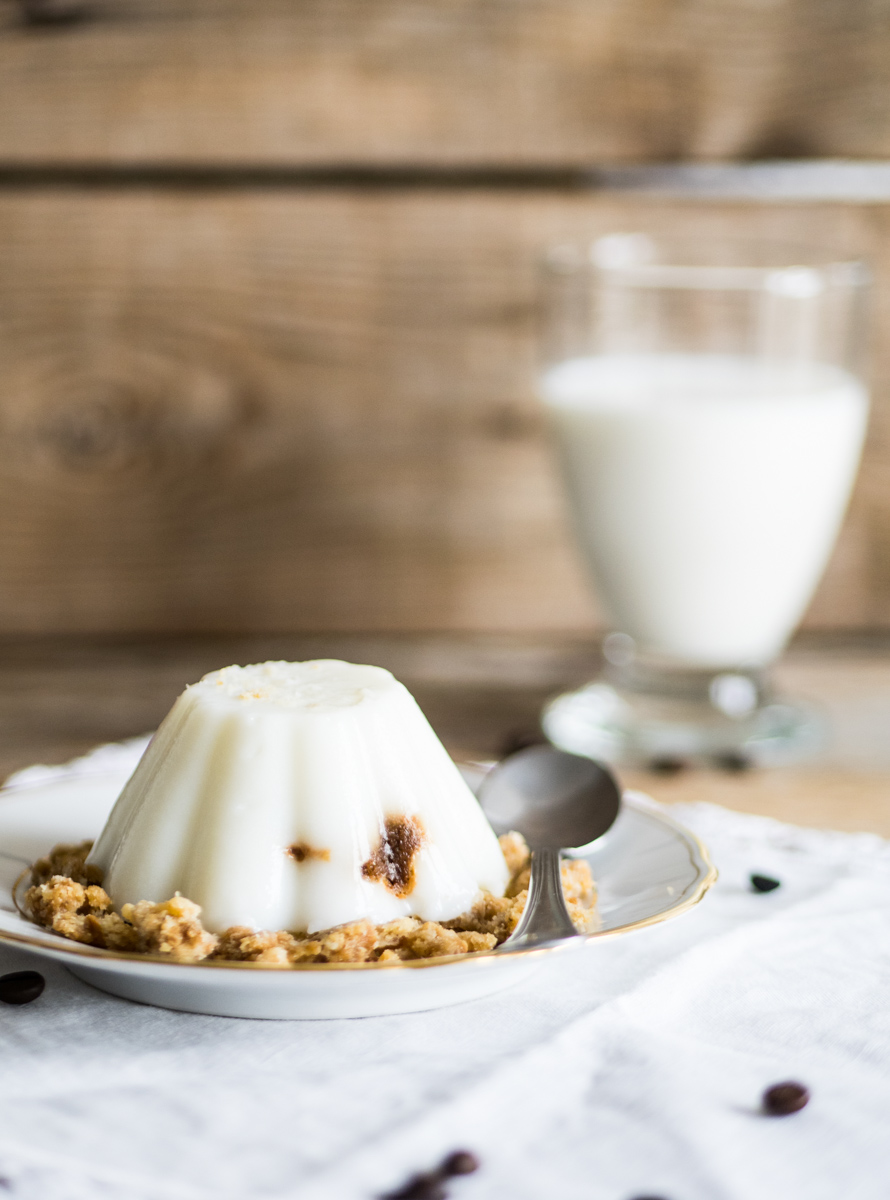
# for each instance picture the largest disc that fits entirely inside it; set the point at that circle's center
(556, 801)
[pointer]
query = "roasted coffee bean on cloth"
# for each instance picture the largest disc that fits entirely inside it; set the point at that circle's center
(21, 987)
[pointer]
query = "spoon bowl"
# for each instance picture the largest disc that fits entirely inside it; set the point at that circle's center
(551, 797)
(557, 801)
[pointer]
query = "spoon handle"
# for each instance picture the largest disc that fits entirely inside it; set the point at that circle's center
(546, 917)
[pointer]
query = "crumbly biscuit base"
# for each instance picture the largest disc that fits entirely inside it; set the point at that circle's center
(66, 896)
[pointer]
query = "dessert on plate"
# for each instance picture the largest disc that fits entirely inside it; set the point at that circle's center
(294, 812)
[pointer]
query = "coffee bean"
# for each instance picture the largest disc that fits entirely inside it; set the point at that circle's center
(420, 1187)
(430, 1186)
(21, 987)
(461, 1162)
(782, 1099)
(764, 883)
(666, 765)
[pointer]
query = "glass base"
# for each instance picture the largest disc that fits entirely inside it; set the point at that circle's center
(661, 717)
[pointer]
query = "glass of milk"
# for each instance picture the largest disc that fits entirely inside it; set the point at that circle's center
(708, 410)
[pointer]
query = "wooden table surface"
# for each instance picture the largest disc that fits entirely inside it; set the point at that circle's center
(61, 696)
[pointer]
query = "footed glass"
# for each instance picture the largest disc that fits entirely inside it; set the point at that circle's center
(708, 409)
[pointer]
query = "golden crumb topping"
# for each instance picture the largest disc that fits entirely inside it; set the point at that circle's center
(65, 895)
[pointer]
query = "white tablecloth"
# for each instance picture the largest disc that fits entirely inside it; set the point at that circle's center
(632, 1068)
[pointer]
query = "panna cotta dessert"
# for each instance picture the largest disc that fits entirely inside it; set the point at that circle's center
(292, 812)
(299, 796)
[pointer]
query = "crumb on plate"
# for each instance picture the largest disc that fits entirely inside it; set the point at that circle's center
(66, 896)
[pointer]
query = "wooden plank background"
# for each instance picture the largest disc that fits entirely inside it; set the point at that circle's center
(442, 81)
(272, 402)
(304, 411)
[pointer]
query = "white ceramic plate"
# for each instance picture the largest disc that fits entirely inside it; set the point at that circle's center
(647, 869)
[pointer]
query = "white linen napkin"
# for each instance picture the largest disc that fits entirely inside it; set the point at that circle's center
(632, 1068)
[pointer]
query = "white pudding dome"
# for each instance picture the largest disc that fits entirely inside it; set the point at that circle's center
(299, 796)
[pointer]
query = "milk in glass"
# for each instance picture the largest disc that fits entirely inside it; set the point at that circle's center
(707, 491)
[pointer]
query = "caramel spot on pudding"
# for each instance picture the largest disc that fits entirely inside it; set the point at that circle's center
(301, 852)
(393, 862)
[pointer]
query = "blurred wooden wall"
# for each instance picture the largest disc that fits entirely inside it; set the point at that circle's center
(267, 279)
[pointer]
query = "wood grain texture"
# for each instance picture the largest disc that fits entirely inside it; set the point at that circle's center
(443, 81)
(236, 412)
